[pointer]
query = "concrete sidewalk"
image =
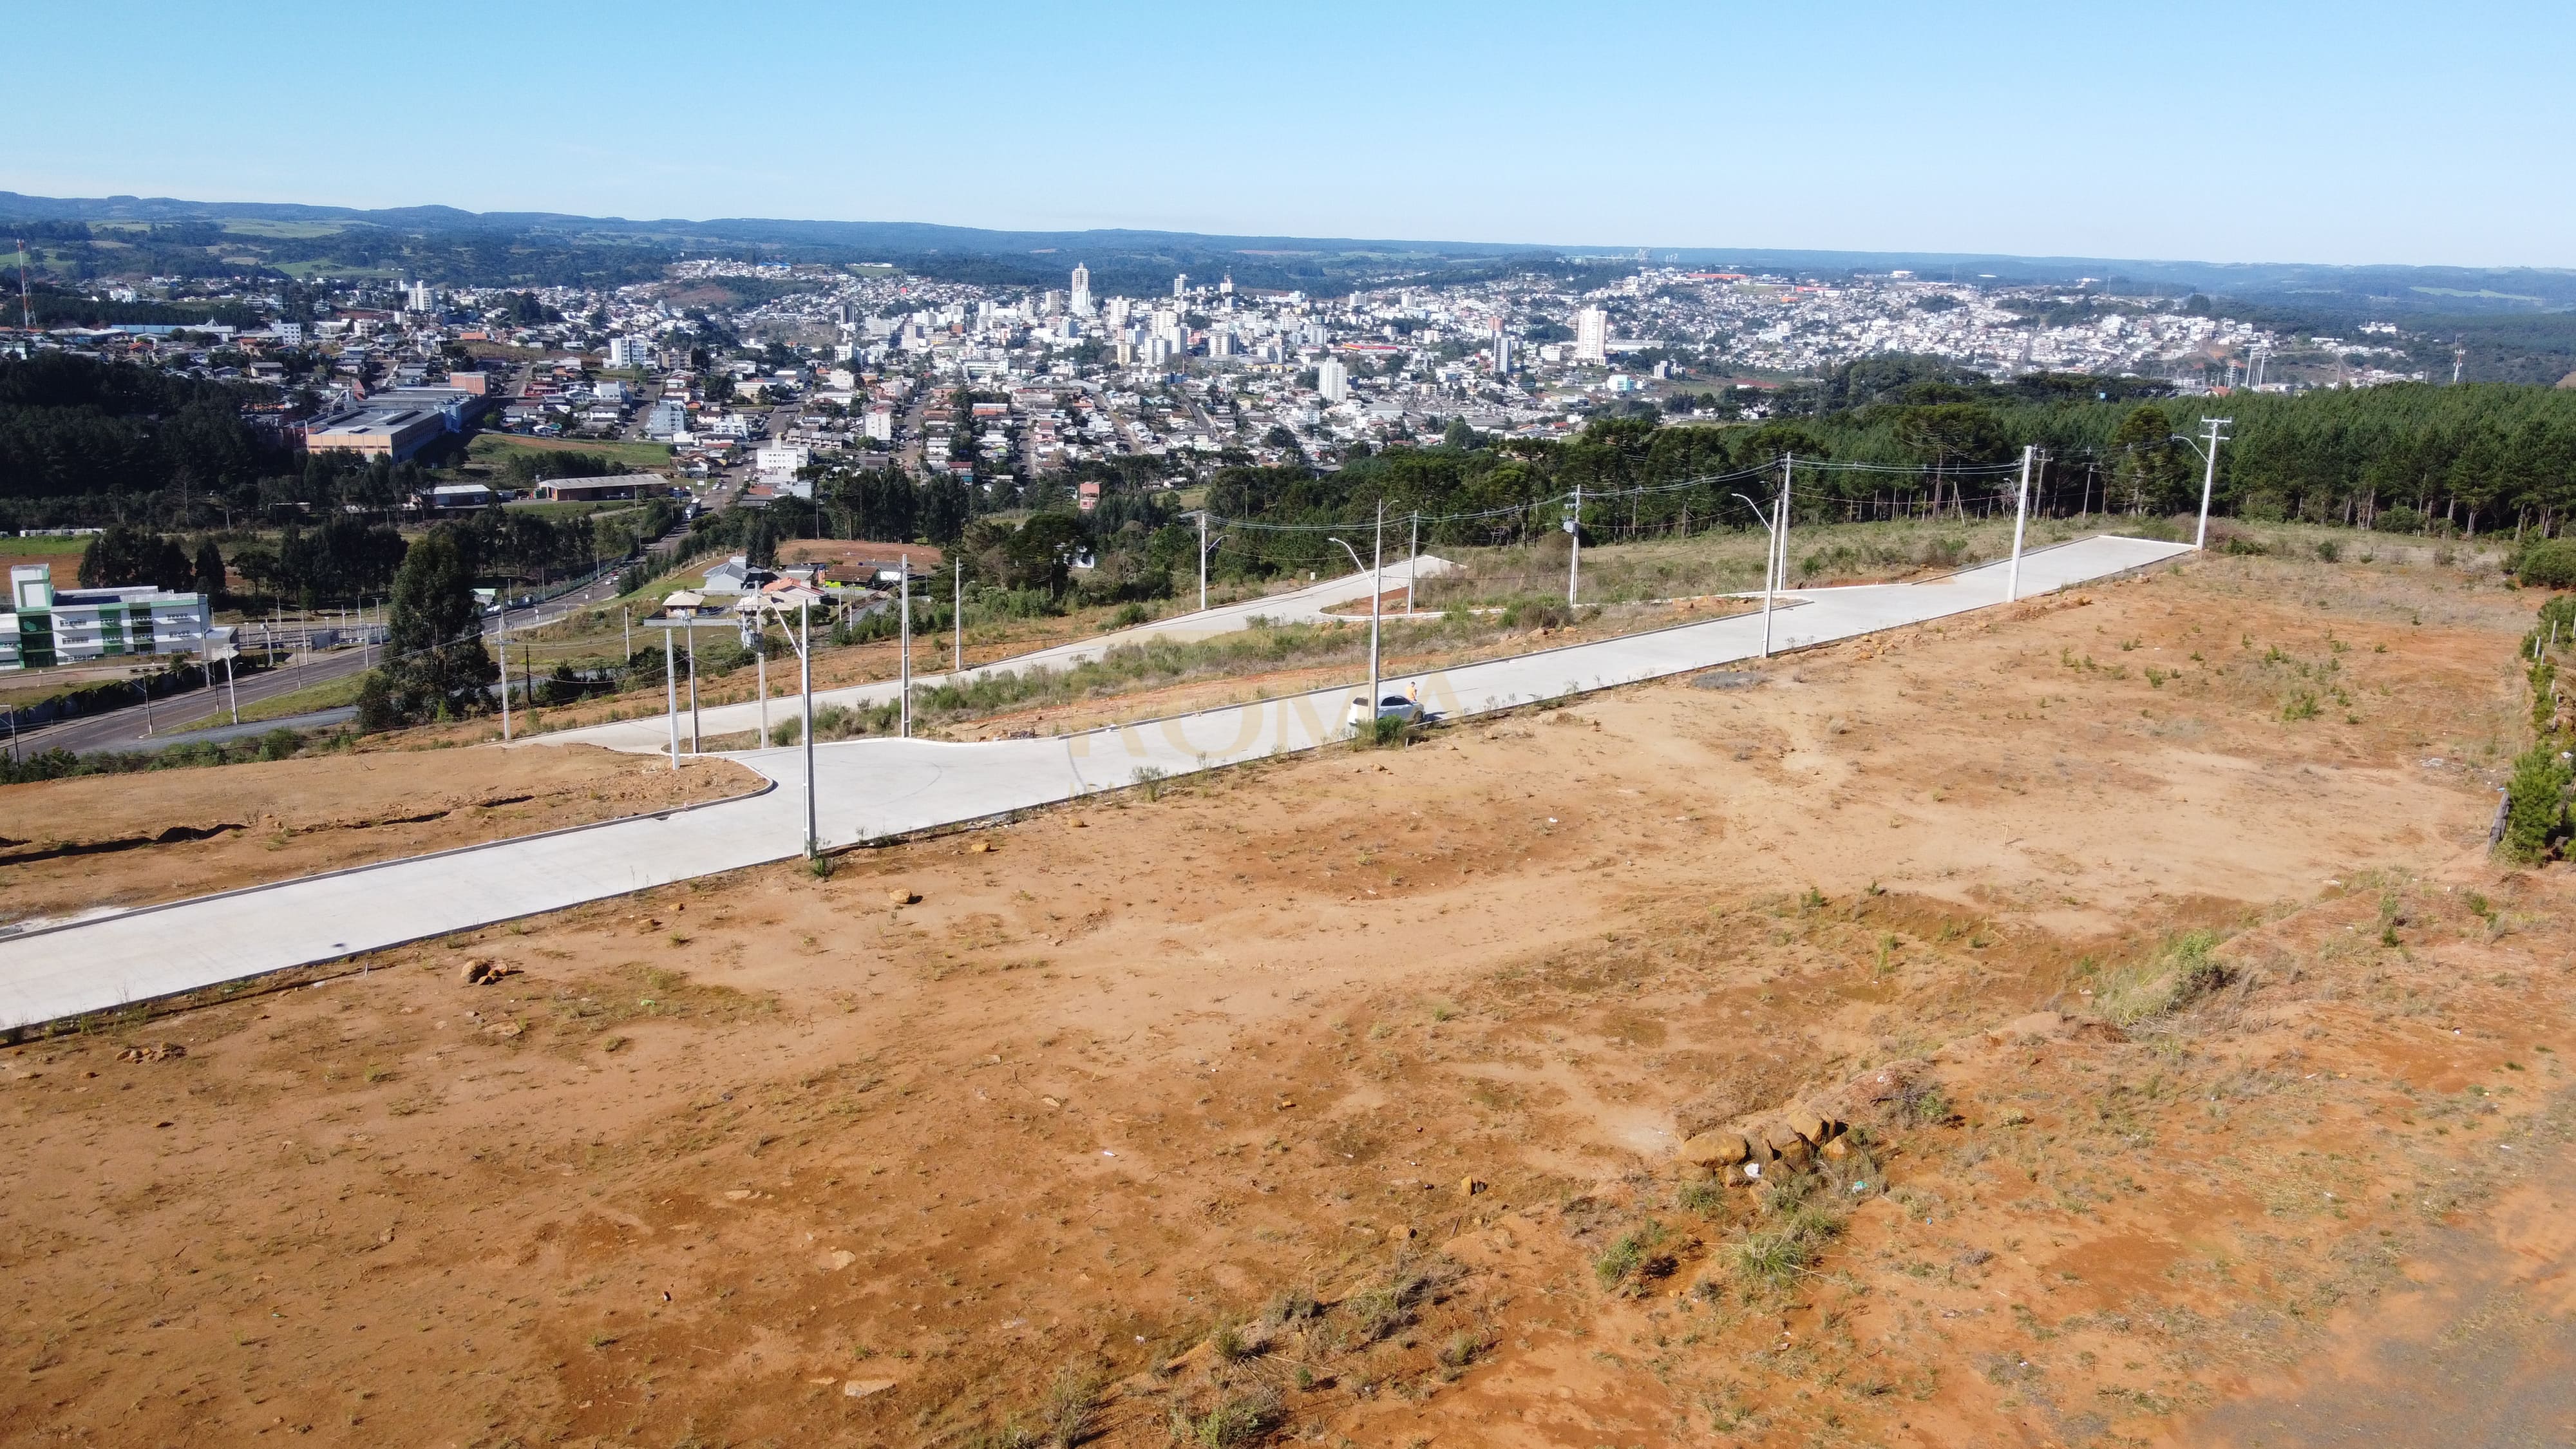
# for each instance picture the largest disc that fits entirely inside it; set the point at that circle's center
(876, 788)
(1296, 606)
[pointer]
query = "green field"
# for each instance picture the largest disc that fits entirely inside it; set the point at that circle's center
(11, 545)
(569, 510)
(300, 230)
(329, 269)
(330, 694)
(494, 448)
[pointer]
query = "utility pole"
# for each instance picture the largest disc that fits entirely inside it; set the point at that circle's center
(1574, 560)
(957, 617)
(904, 726)
(694, 736)
(1202, 560)
(760, 660)
(671, 691)
(2021, 513)
(626, 621)
(2209, 475)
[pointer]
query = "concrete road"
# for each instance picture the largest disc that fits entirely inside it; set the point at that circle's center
(875, 788)
(1297, 606)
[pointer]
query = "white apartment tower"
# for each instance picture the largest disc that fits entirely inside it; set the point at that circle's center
(1592, 335)
(1332, 380)
(1181, 285)
(1081, 290)
(416, 297)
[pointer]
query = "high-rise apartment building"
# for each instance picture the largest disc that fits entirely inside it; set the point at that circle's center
(1592, 335)
(1332, 380)
(1181, 285)
(1081, 290)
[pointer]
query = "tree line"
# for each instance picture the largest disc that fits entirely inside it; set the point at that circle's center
(2464, 460)
(73, 427)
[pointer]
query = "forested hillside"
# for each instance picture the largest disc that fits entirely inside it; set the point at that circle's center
(74, 428)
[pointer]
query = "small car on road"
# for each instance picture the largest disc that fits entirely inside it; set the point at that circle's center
(1393, 706)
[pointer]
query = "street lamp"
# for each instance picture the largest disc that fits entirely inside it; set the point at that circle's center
(1378, 555)
(1769, 558)
(2209, 470)
(760, 609)
(1206, 551)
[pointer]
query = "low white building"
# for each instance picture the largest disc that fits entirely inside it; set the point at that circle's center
(779, 462)
(41, 628)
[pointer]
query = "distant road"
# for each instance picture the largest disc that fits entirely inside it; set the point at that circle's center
(124, 728)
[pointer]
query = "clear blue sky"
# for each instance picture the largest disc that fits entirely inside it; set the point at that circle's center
(2349, 132)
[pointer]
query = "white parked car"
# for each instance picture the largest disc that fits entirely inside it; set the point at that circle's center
(1393, 706)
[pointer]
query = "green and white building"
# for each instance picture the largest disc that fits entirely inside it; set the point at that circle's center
(42, 628)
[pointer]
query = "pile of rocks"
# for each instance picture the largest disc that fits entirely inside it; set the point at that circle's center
(483, 971)
(1793, 1141)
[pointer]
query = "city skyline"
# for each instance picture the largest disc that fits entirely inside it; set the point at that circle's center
(2273, 137)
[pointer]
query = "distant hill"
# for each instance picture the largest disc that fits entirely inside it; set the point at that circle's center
(448, 244)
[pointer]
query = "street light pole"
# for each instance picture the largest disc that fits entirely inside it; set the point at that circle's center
(957, 616)
(2021, 513)
(2209, 475)
(805, 662)
(1202, 560)
(904, 726)
(502, 637)
(1412, 563)
(1377, 565)
(1574, 560)
(671, 691)
(1770, 542)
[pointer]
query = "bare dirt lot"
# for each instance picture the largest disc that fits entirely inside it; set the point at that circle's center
(68, 846)
(2145, 939)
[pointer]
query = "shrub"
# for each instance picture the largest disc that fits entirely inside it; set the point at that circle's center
(1636, 1256)
(2329, 551)
(2535, 812)
(2548, 564)
(1292, 1306)
(1238, 1418)
(2185, 972)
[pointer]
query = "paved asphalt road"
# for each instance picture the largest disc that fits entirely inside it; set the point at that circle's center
(876, 788)
(124, 729)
